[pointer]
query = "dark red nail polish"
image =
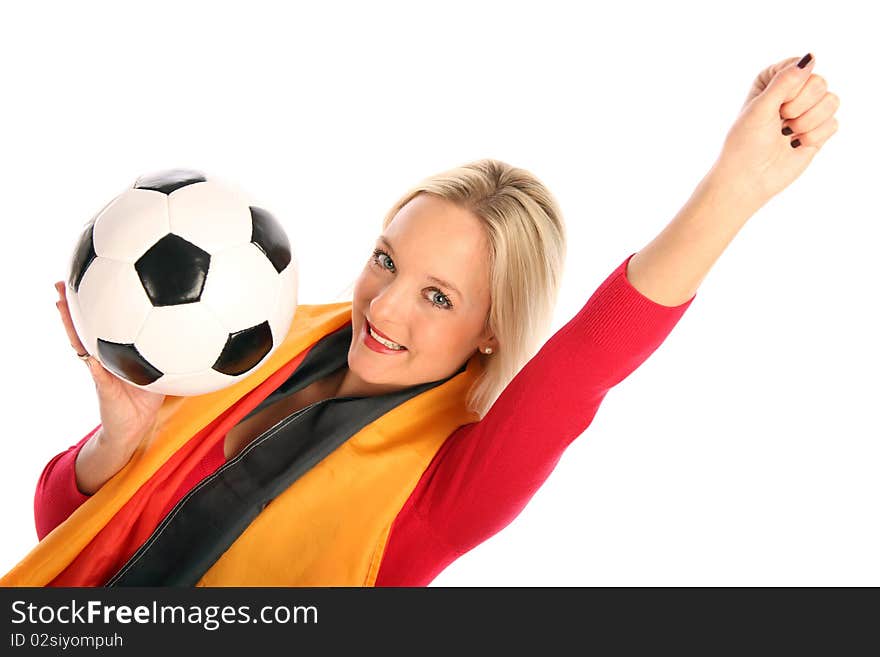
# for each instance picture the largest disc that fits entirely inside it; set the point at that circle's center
(806, 60)
(796, 143)
(787, 131)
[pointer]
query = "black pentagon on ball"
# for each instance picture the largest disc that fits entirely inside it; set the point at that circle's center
(269, 236)
(82, 256)
(244, 349)
(127, 362)
(169, 180)
(173, 271)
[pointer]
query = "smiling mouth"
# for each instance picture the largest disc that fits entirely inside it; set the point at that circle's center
(378, 338)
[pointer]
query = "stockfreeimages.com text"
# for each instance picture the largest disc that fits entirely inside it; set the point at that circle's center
(211, 616)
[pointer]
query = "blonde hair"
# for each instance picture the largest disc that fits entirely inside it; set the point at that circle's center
(527, 248)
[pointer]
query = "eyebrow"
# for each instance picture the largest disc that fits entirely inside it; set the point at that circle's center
(433, 279)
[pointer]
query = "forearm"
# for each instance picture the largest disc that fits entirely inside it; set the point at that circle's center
(98, 461)
(671, 267)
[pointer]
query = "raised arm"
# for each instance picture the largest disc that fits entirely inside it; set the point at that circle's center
(486, 473)
(787, 117)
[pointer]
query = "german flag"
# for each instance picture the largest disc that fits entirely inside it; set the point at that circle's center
(310, 502)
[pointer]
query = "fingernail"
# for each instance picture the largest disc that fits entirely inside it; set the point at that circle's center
(796, 143)
(806, 60)
(787, 131)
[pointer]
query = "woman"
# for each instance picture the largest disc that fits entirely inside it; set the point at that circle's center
(384, 464)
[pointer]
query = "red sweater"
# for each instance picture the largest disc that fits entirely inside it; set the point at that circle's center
(486, 472)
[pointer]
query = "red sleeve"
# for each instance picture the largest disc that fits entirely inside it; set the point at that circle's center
(486, 472)
(57, 495)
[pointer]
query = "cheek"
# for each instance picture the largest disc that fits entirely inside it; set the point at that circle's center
(442, 338)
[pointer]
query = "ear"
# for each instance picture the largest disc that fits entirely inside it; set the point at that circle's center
(486, 339)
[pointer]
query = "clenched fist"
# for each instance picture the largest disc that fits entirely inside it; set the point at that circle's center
(787, 117)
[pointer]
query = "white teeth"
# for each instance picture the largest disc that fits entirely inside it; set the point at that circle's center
(387, 343)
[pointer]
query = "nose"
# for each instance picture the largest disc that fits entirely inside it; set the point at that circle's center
(388, 309)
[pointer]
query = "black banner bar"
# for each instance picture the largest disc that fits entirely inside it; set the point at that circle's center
(546, 621)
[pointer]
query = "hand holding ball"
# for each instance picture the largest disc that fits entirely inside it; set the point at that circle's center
(181, 285)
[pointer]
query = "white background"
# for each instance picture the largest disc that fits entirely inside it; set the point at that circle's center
(743, 452)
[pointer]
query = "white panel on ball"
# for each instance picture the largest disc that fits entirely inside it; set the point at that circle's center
(285, 306)
(210, 215)
(197, 383)
(242, 287)
(132, 223)
(114, 285)
(181, 339)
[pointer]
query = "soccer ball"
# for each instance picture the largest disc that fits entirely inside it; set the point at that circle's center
(181, 285)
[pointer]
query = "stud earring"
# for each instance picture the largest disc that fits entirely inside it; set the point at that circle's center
(488, 350)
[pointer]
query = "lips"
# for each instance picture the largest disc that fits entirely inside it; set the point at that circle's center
(379, 333)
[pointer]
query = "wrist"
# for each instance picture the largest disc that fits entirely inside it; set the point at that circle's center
(114, 449)
(738, 191)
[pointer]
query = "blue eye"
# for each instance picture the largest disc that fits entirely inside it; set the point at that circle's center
(377, 253)
(446, 304)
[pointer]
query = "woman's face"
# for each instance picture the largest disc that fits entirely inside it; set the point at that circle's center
(440, 324)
